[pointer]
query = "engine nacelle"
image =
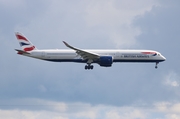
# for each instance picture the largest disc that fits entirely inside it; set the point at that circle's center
(105, 61)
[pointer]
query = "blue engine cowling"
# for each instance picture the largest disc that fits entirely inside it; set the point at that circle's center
(105, 61)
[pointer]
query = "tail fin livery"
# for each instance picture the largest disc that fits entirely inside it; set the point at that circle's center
(24, 43)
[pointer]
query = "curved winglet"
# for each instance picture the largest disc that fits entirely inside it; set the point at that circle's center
(69, 46)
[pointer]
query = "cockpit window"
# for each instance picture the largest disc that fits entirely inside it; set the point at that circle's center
(154, 54)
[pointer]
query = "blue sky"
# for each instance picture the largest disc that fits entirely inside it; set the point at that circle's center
(34, 89)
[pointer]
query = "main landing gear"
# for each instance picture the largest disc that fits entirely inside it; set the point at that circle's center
(89, 66)
(156, 65)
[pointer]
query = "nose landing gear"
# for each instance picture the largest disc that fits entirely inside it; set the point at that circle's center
(156, 65)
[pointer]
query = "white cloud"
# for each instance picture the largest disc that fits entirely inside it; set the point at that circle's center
(60, 110)
(112, 13)
(112, 115)
(176, 108)
(172, 79)
(86, 114)
(117, 17)
(170, 110)
(172, 116)
(108, 18)
(24, 114)
(126, 113)
(37, 108)
(162, 106)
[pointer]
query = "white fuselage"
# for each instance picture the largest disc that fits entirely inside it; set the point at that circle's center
(104, 58)
(117, 55)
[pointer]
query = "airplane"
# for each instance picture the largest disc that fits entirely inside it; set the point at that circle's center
(104, 58)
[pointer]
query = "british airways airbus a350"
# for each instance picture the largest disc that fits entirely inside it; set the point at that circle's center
(104, 58)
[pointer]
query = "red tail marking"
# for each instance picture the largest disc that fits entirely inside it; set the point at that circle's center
(20, 53)
(20, 37)
(29, 49)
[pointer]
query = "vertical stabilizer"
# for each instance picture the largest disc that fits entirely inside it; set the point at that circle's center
(25, 44)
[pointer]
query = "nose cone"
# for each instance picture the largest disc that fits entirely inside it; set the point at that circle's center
(163, 58)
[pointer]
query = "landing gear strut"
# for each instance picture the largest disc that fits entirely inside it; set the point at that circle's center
(156, 65)
(89, 66)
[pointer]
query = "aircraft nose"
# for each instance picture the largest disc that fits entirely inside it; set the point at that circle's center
(163, 58)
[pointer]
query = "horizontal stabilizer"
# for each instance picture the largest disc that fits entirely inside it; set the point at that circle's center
(21, 52)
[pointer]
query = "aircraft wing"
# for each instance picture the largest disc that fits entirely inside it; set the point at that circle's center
(86, 55)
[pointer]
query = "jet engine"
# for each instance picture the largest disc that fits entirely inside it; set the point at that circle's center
(105, 61)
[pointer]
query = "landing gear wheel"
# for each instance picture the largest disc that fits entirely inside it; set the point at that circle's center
(86, 67)
(89, 67)
(156, 65)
